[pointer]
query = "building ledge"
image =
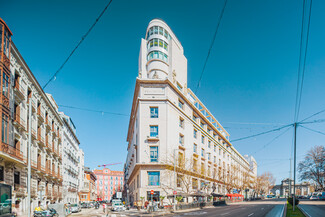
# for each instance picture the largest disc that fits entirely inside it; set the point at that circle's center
(152, 139)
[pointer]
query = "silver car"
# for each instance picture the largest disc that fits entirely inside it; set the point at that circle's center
(75, 208)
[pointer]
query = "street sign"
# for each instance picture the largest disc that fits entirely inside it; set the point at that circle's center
(119, 195)
(151, 192)
(174, 192)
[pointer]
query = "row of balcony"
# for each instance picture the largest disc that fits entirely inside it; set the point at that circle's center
(45, 170)
(12, 151)
(21, 191)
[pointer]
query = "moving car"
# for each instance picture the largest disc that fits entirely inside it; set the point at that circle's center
(75, 208)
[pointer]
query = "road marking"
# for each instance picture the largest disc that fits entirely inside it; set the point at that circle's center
(251, 214)
(225, 213)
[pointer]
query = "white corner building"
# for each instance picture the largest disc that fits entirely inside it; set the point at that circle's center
(70, 161)
(168, 122)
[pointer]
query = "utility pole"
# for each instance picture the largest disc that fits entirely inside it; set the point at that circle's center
(29, 118)
(294, 166)
(290, 178)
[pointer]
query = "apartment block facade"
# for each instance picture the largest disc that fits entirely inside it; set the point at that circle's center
(71, 161)
(108, 183)
(88, 191)
(170, 128)
(19, 88)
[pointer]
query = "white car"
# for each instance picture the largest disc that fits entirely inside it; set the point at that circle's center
(314, 197)
(75, 208)
(117, 205)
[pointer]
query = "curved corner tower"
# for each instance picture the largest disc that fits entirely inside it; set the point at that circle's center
(159, 52)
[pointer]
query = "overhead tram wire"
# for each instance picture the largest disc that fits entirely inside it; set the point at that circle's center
(299, 62)
(305, 56)
(213, 39)
(259, 134)
(316, 131)
(275, 138)
(79, 43)
(317, 113)
(92, 110)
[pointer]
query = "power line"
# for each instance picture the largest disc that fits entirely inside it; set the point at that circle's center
(313, 122)
(269, 131)
(313, 115)
(299, 62)
(275, 138)
(316, 131)
(79, 43)
(213, 39)
(300, 82)
(305, 56)
(253, 123)
(92, 110)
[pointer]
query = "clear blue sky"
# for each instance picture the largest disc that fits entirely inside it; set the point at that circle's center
(250, 77)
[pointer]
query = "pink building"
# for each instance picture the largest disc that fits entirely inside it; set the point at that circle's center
(108, 183)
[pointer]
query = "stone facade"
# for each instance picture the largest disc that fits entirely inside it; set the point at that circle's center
(170, 126)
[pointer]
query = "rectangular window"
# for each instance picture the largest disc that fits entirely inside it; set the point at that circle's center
(209, 144)
(154, 154)
(17, 177)
(181, 122)
(195, 148)
(4, 129)
(194, 118)
(215, 148)
(181, 139)
(209, 156)
(194, 184)
(161, 31)
(165, 46)
(154, 112)
(153, 178)
(1, 173)
(153, 131)
(5, 80)
(180, 104)
(214, 159)
(195, 134)
(194, 165)
(202, 152)
(202, 139)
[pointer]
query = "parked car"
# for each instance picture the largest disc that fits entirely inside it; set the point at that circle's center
(75, 208)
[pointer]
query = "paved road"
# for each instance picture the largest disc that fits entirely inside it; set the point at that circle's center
(313, 208)
(250, 209)
(247, 209)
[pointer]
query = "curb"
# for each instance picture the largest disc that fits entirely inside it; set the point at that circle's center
(303, 211)
(284, 214)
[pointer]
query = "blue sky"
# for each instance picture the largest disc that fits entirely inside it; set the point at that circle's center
(250, 77)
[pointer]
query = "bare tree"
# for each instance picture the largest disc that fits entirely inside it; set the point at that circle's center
(313, 166)
(185, 170)
(263, 183)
